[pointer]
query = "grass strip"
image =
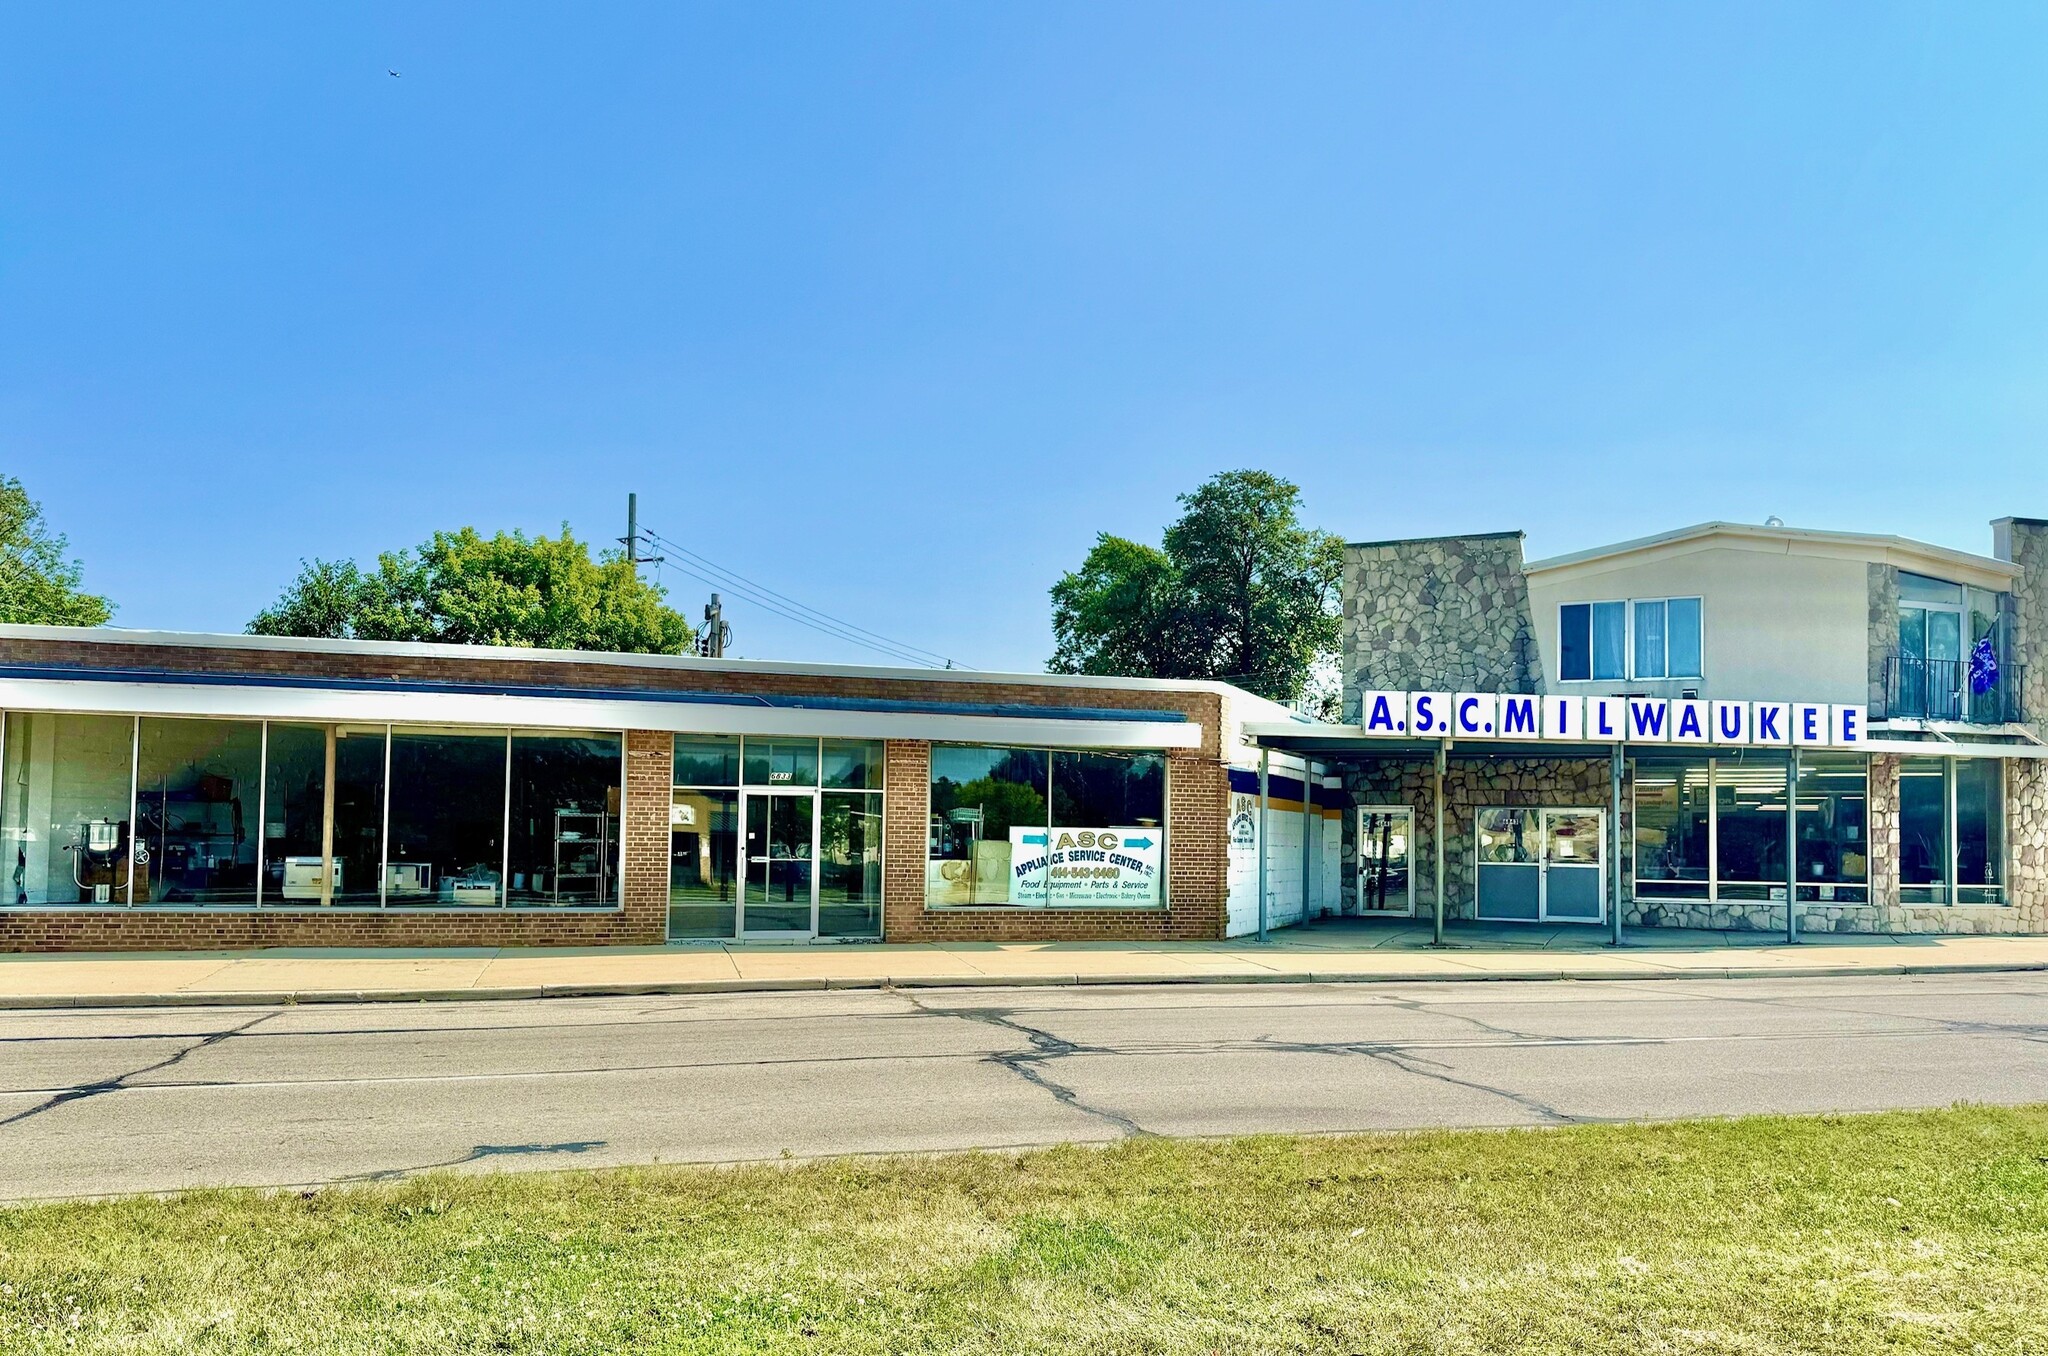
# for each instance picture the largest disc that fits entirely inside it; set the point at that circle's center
(1904, 1232)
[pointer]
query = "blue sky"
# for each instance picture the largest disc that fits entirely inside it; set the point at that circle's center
(892, 308)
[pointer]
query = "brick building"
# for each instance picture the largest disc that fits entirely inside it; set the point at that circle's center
(190, 791)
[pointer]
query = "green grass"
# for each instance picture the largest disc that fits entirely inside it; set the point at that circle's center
(1905, 1232)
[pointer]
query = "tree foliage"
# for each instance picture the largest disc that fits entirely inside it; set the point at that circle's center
(467, 589)
(1239, 590)
(39, 582)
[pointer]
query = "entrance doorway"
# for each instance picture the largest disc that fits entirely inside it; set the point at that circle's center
(1386, 876)
(1540, 865)
(779, 888)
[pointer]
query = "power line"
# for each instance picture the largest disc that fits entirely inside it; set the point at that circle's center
(902, 646)
(790, 609)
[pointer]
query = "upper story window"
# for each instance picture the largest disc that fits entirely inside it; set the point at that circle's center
(1629, 638)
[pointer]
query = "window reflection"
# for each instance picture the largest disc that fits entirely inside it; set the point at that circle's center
(197, 785)
(447, 819)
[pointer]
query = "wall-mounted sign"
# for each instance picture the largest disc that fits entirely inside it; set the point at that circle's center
(1086, 867)
(1609, 720)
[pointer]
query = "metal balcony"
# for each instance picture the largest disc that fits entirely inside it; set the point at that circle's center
(1939, 689)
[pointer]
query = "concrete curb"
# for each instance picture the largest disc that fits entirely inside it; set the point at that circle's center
(291, 998)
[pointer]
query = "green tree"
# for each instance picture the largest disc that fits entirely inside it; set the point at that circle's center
(39, 582)
(467, 589)
(1239, 590)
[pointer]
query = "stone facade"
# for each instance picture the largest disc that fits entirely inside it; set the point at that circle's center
(2024, 541)
(1468, 785)
(1437, 614)
(1884, 633)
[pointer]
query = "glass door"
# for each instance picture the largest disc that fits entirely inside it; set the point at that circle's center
(1540, 865)
(1572, 877)
(1508, 880)
(1386, 837)
(779, 898)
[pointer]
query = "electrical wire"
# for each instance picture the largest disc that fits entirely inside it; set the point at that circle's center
(717, 576)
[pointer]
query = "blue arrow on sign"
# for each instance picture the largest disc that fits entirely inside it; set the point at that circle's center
(1038, 838)
(1138, 842)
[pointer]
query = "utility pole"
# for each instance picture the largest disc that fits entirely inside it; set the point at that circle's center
(631, 541)
(716, 632)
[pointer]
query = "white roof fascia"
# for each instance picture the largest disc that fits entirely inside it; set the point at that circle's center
(577, 713)
(1913, 556)
(407, 649)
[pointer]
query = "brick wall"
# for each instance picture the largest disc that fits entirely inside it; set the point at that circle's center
(641, 918)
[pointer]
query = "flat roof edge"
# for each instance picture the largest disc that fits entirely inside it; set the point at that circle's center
(214, 640)
(1448, 536)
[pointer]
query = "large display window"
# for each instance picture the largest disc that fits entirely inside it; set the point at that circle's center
(1951, 830)
(1713, 828)
(1045, 828)
(174, 812)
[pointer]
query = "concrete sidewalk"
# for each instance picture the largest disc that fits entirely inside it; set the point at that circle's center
(1328, 952)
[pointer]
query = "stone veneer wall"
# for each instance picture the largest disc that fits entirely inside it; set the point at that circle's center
(2024, 541)
(1884, 632)
(1526, 782)
(1438, 614)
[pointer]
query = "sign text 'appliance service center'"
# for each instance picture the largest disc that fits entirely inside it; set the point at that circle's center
(1609, 720)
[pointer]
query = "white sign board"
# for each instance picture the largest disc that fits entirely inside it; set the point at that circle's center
(1609, 720)
(1093, 868)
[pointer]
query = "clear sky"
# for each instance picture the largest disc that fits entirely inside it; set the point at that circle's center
(891, 308)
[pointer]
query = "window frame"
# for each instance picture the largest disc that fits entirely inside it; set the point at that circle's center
(1628, 641)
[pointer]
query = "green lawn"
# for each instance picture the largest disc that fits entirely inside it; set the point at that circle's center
(1908, 1232)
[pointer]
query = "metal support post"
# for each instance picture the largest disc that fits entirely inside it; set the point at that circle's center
(1792, 844)
(1614, 770)
(1265, 805)
(1308, 823)
(1437, 913)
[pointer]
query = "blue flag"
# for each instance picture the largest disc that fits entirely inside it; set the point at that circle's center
(1983, 666)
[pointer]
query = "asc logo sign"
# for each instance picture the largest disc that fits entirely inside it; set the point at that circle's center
(1609, 720)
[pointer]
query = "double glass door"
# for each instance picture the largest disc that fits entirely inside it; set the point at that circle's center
(779, 888)
(1540, 865)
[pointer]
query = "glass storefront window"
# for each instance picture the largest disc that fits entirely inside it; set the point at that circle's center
(703, 870)
(1038, 828)
(850, 864)
(236, 813)
(1834, 843)
(1923, 830)
(853, 765)
(65, 811)
(198, 785)
(566, 797)
(707, 760)
(1673, 805)
(447, 819)
(295, 813)
(781, 762)
(1749, 828)
(978, 796)
(1120, 799)
(1980, 831)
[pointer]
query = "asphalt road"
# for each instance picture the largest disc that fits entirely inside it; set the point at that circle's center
(112, 1101)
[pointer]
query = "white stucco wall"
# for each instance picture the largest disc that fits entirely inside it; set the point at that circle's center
(1774, 626)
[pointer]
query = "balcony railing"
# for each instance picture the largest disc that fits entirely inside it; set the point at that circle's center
(1939, 689)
